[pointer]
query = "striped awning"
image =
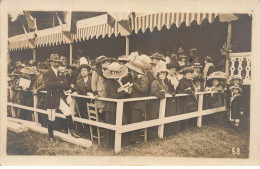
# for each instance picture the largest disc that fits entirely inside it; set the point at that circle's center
(140, 22)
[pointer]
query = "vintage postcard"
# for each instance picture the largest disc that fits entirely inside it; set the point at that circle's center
(130, 83)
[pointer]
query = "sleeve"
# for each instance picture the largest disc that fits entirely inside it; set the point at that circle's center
(155, 90)
(112, 92)
(94, 80)
(211, 70)
(143, 86)
(182, 88)
(77, 88)
(50, 84)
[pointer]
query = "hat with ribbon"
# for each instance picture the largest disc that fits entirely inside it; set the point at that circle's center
(235, 87)
(102, 59)
(28, 70)
(236, 77)
(136, 65)
(221, 76)
(158, 56)
(83, 63)
(115, 71)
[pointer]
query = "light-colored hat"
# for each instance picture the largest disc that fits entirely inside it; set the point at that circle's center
(115, 71)
(235, 87)
(231, 81)
(123, 58)
(102, 59)
(145, 60)
(162, 69)
(158, 56)
(136, 65)
(28, 70)
(55, 58)
(217, 75)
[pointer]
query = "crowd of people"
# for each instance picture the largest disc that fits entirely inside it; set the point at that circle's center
(126, 77)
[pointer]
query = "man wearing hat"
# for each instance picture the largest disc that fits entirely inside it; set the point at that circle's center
(157, 61)
(55, 98)
(38, 86)
(193, 58)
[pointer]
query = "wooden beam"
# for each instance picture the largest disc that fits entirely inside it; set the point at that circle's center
(200, 108)
(71, 53)
(119, 119)
(65, 137)
(15, 127)
(161, 116)
(127, 45)
(229, 35)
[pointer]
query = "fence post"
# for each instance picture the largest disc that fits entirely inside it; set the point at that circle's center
(72, 106)
(11, 98)
(35, 100)
(200, 107)
(119, 119)
(161, 116)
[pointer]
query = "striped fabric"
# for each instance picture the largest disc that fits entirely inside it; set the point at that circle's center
(149, 21)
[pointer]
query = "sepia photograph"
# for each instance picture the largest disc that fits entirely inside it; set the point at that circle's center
(109, 83)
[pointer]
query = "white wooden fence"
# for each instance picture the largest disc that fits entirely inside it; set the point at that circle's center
(118, 127)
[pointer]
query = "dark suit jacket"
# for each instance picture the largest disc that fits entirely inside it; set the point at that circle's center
(140, 89)
(82, 88)
(70, 78)
(54, 88)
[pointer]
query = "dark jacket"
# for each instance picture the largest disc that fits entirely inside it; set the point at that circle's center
(236, 106)
(189, 103)
(55, 86)
(140, 88)
(83, 88)
(111, 90)
(70, 78)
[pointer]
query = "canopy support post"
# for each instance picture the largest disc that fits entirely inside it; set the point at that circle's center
(70, 53)
(127, 45)
(228, 45)
(34, 54)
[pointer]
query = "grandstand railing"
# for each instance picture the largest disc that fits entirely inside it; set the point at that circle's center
(119, 128)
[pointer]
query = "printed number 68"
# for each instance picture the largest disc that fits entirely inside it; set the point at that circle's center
(236, 151)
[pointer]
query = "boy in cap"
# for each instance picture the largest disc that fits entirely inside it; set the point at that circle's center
(55, 98)
(235, 107)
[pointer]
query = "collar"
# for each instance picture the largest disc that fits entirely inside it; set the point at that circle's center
(85, 79)
(139, 76)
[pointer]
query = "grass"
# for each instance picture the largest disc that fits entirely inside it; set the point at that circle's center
(211, 141)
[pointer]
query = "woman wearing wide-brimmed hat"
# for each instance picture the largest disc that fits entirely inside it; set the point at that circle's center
(158, 60)
(173, 75)
(187, 103)
(114, 73)
(139, 89)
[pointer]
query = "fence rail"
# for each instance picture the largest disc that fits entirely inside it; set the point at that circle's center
(118, 127)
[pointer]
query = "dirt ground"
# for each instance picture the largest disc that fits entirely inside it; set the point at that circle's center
(211, 141)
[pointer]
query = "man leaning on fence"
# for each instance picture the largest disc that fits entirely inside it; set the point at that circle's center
(55, 98)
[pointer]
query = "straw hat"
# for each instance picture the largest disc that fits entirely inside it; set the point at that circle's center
(194, 50)
(231, 81)
(55, 58)
(145, 60)
(115, 71)
(158, 56)
(235, 87)
(102, 59)
(122, 58)
(136, 65)
(217, 75)
(28, 70)
(180, 50)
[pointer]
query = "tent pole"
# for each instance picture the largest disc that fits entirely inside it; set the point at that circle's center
(34, 54)
(127, 45)
(228, 45)
(70, 53)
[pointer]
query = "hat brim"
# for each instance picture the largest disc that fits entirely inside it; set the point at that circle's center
(159, 58)
(103, 60)
(133, 67)
(84, 66)
(235, 87)
(240, 81)
(122, 74)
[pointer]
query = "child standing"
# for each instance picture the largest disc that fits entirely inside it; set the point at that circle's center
(235, 107)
